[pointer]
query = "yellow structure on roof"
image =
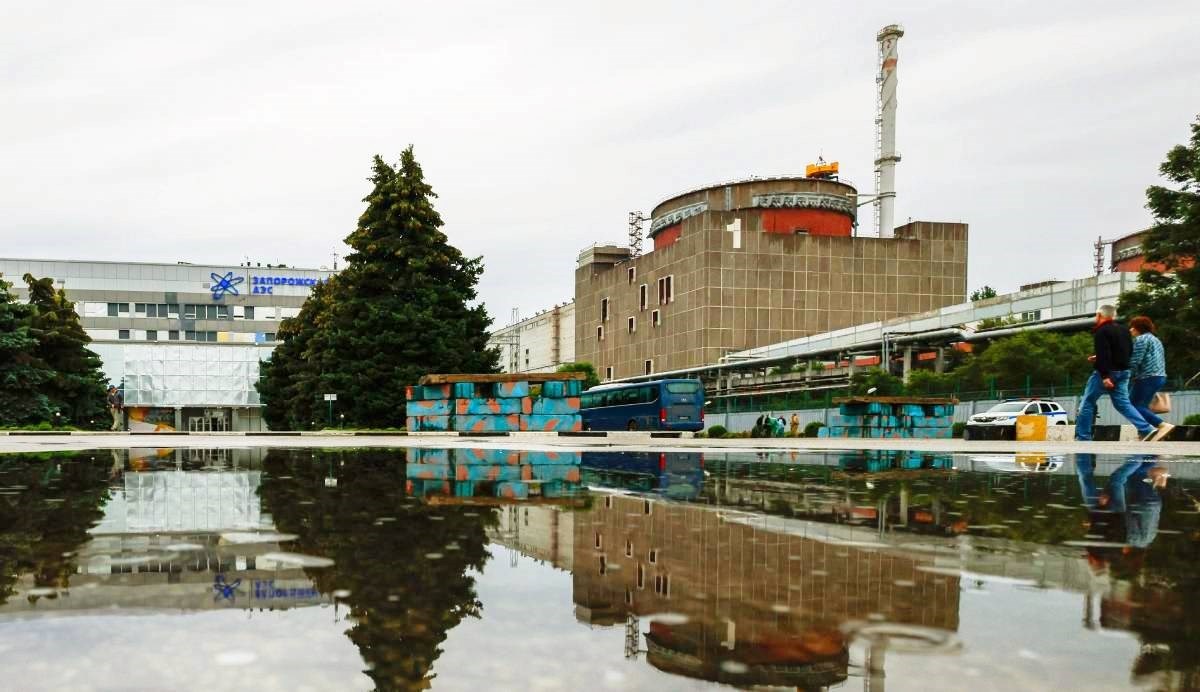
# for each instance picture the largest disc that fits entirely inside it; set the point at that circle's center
(820, 169)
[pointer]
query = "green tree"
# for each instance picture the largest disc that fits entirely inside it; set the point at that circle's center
(77, 388)
(586, 368)
(1045, 358)
(405, 306)
(1172, 298)
(22, 375)
(884, 384)
(930, 383)
(983, 293)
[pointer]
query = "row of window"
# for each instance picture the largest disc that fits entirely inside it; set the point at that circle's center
(190, 311)
(666, 294)
(648, 369)
(173, 335)
(631, 324)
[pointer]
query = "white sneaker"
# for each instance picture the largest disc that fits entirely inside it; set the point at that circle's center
(1163, 430)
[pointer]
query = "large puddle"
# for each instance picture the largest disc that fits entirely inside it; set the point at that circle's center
(282, 569)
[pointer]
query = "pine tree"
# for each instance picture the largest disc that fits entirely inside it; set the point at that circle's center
(1172, 298)
(288, 380)
(22, 375)
(77, 388)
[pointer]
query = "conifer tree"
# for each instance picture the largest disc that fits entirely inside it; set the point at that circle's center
(22, 375)
(76, 389)
(403, 307)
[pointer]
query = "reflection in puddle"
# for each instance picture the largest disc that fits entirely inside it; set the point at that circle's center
(792, 569)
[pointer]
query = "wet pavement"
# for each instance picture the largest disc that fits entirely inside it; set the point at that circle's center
(486, 568)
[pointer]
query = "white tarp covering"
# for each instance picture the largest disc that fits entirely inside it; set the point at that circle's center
(191, 375)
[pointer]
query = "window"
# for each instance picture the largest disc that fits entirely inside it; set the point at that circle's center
(662, 584)
(608, 373)
(683, 387)
(666, 290)
(649, 367)
(604, 310)
(173, 309)
(152, 310)
(249, 312)
(632, 274)
(269, 336)
(608, 502)
(599, 541)
(222, 312)
(212, 311)
(1047, 408)
(652, 556)
(600, 333)
(628, 548)
(151, 334)
(123, 308)
(643, 296)
(645, 506)
(139, 309)
(632, 325)
(1031, 409)
(656, 318)
(641, 576)
(112, 309)
(189, 335)
(162, 309)
(122, 333)
(173, 335)
(189, 312)
(603, 565)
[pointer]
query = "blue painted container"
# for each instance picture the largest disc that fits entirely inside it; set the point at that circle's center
(429, 424)
(510, 390)
(539, 458)
(555, 472)
(470, 423)
(513, 490)
(435, 391)
(554, 423)
(464, 390)
(567, 406)
(490, 407)
(431, 407)
(488, 456)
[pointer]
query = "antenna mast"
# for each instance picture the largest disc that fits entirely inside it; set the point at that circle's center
(635, 233)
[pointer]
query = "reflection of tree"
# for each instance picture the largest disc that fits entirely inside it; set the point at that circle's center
(50, 502)
(404, 563)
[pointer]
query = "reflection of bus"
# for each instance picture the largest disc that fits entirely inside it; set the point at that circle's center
(657, 405)
(677, 475)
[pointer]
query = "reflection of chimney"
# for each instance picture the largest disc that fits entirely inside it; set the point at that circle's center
(886, 155)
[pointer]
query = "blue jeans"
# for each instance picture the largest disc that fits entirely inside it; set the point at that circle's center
(1140, 394)
(1120, 401)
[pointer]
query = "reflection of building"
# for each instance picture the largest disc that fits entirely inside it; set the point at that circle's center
(773, 601)
(184, 340)
(174, 540)
(543, 533)
(753, 263)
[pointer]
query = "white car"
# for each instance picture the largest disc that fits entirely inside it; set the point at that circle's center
(1005, 413)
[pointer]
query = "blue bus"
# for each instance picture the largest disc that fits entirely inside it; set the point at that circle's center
(657, 405)
(675, 475)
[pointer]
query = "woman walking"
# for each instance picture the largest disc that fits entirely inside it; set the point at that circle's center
(1148, 372)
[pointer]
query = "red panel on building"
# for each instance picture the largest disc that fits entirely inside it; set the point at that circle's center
(812, 221)
(667, 236)
(1138, 263)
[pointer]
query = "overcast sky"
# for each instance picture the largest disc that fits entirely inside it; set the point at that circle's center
(217, 131)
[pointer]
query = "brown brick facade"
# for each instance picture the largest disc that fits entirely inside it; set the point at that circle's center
(772, 288)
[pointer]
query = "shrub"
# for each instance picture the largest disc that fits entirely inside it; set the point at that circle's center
(958, 429)
(1193, 419)
(811, 429)
(716, 432)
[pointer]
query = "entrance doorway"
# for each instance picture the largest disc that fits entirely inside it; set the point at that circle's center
(213, 420)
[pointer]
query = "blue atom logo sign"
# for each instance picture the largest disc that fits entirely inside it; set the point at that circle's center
(225, 285)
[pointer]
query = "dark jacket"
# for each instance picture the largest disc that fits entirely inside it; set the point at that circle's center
(1113, 346)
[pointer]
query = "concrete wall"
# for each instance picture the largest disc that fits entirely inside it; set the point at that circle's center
(1183, 404)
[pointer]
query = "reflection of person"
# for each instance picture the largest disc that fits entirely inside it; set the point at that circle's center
(1113, 348)
(115, 406)
(794, 429)
(1148, 372)
(1130, 496)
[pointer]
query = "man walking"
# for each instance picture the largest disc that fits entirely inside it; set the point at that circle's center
(1113, 346)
